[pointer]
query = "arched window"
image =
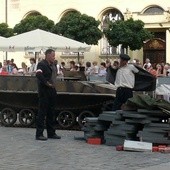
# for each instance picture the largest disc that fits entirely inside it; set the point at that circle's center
(154, 10)
(68, 11)
(110, 15)
(32, 13)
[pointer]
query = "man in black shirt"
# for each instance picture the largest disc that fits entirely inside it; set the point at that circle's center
(47, 96)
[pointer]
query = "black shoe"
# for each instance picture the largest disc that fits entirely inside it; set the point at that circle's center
(43, 138)
(54, 137)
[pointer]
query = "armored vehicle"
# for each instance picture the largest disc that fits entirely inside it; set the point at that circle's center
(76, 99)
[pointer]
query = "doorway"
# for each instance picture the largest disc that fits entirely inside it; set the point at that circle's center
(155, 50)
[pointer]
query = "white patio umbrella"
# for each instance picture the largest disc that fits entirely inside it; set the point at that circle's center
(3, 43)
(39, 40)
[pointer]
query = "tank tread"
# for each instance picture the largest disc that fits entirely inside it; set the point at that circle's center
(74, 127)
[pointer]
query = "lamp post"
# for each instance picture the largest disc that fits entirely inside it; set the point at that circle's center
(6, 11)
(6, 21)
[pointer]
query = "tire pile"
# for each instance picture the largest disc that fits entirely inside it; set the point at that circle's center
(141, 125)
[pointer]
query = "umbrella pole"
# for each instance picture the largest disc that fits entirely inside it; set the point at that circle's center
(6, 55)
(78, 57)
(36, 56)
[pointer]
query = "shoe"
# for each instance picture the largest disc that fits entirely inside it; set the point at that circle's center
(54, 137)
(43, 138)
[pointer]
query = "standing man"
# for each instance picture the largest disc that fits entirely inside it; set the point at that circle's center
(47, 96)
(125, 81)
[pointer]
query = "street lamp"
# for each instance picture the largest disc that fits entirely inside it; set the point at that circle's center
(6, 11)
(6, 21)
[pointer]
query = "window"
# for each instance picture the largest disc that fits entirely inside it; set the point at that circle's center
(154, 10)
(110, 15)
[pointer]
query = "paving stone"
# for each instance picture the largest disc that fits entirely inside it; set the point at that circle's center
(137, 121)
(134, 115)
(151, 134)
(91, 119)
(123, 127)
(108, 117)
(159, 125)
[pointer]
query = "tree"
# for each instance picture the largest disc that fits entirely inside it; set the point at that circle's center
(5, 31)
(128, 33)
(33, 22)
(79, 27)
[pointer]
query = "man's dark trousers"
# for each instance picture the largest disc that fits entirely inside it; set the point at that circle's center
(122, 95)
(46, 112)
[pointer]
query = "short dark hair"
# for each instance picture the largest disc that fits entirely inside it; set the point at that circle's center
(33, 59)
(49, 51)
(116, 62)
(72, 62)
(103, 64)
(62, 63)
(88, 64)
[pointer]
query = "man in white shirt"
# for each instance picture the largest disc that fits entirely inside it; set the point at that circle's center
(125, 81)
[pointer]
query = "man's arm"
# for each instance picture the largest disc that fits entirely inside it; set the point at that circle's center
(40, 76)
(134, 69)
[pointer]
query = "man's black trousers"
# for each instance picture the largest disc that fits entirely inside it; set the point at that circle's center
(46, 114)
(122, 95)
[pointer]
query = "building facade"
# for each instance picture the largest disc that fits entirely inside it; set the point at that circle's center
(154, 13)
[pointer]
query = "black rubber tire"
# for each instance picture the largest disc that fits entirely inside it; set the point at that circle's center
(8, 117)
(26, 117)
(83, 115)
(66, 119)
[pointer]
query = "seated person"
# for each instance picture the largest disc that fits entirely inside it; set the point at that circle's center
(102, 69)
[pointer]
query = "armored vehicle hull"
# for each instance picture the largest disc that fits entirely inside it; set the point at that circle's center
(75, 100)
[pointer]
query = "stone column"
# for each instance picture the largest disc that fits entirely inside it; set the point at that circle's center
(168, 45)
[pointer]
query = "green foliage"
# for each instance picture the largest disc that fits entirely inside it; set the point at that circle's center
(34, 22)
(129, 33)
(5, 31)
(79, 27)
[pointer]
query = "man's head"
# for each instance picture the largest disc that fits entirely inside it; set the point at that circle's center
(72, 64)
(124, 58)
(12, 60)
(108, 63)
(50, 55)
(147, 60)
(32, 60)
(115, 64)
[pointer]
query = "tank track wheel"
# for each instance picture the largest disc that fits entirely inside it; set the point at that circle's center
(83, 115)
(8, 117)
(26, 117)
(66, 119)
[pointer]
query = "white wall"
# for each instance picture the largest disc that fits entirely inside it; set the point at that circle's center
(54, 10)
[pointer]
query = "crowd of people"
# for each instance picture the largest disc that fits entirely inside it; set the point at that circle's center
(156, 69)
(91, 68)
(10, 68)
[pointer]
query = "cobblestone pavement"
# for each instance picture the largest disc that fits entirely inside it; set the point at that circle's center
(20, 151)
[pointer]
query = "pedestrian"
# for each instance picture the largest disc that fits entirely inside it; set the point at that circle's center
(0, 67)
(47, 97)
(125, 81)
(102, 70)
(73, 66)
(147, 62)
(32, 68)
(13, 64)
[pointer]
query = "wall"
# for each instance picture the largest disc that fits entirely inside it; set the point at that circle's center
(54, 9)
